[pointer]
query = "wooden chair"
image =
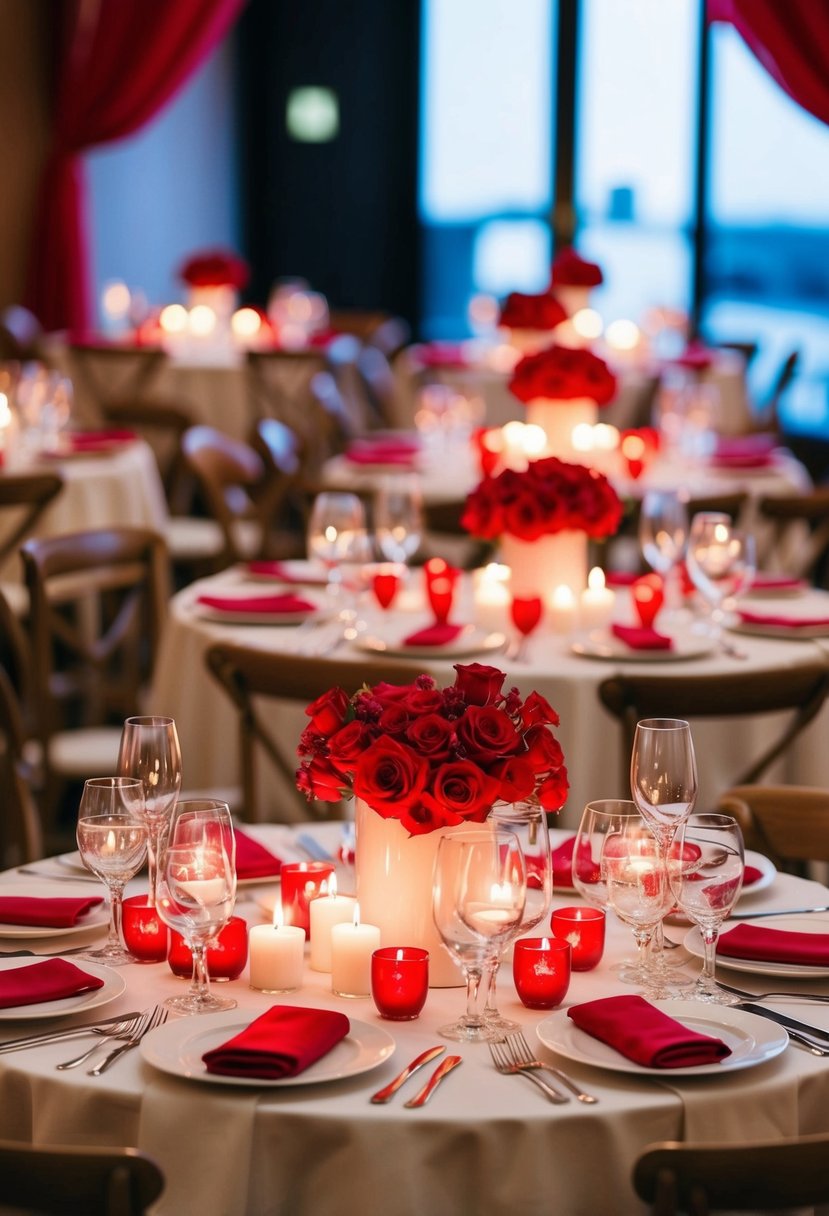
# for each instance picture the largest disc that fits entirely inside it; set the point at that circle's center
(762, 1176)
(250, 677)
(284, 496)
(279, 384)
(788, 823)
(21, 837)
(24, 498)
(801, 689)
(69, 1180)
(98, 602)
(104, 373)
(798, 534)
(379, 386)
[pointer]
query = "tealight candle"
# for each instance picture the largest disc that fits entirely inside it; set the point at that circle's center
(145, 935)
(597, 602)
(226, 954)
(541, 971)
(276, 955)
(399, 981)
(301, 882)
(562, 610)
(584, 929)
(327, 911)
(352, 946)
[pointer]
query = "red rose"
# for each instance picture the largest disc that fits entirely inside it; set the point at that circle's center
(318, 780)
(431, 736)
(550, 496)
(385, 693)
(328, 712)
(571, 270)
(563, 373)
(421, 819)
(394, 719)
(215, 268)
(424, 701)
(520, 311)
(478, 683)
(527, 518)
(543, 749)
(390, 777)
(552, 793)
(462, 789)
(485, 734)
(537, 710)
(516, 777)
(347, 745)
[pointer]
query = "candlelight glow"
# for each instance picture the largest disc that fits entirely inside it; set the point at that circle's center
(173, 319)
(605, 437)
(5, 411)
(623, 335)
(246, 323)
(587, 323)
(582, 437)
(116, 299)
(595, 579)
(202, 320)
(278, 917)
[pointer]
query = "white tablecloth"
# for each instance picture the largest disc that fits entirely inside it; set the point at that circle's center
(486, 1144)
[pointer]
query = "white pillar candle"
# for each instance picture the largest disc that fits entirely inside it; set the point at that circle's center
(491, 595)
(352, 946)
(327, 911)
(276, 955)
(597, 602)
(561, 610)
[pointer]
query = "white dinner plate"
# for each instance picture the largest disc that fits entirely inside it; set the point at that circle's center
(794, 924)
(752, 1040)
(114, 985)
(470, 641)
(97, 918)
(768, 873)
(603, 645)
(177, 1048)
(234, 616)
(293, 571)
(792, 633)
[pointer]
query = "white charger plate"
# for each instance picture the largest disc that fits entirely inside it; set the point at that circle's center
(114, 985)
(804, 924)
(177, 1048)
(471, 641)
(753, 1040)
(603, 645)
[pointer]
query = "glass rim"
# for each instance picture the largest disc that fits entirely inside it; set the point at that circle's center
(663, 724)
(113, 783)
(149, 720)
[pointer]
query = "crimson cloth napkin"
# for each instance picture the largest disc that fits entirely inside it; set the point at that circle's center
(281, 1043)
(382, 451)
(253, 860)
(779, 621)
(91, 441)
(562, 856)
(775, 582)
(311, 578)
(441, 354)
(642, 1033)
(751, 875)
(775, 946)
(637, 637)
(52, 980)
(258, 603)
(45, 913)
(439, 634)
(744, 451)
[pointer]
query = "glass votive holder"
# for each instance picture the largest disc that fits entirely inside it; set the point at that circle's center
(399, 981)
(541, 971)
(226, 955)
(145, 934)
(584, 929)
(301, 882)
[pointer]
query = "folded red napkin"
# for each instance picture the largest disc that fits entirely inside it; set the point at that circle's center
(695, 357)
(736, 447)
(439, 634)
(587, 869)
(775, 946)
(441, 354)
(90, 441)
(775, 582)
(380, 451)
(253, 604)
(781, 621)
(52, 980)
(45, 913)
(751, 875)
(642, 1033)
(281, 1043)
(253, 860)
(637, 637)
(283, 572)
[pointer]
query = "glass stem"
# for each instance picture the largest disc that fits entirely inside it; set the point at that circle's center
(491, 1006)
(153, 836)
(200, 986)
(473, 988)
(115, 939)
(707, 979)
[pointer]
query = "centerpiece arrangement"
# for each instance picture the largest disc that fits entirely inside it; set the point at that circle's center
(563, 388)
(420, 760)
(573, 278)
(529, 320)
(215, 277)
(542, 518)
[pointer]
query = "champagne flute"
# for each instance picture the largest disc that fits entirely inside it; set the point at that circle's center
(150, 752)
(478, 895)
(706, 876)
(398, 517)
(197, 890)
(663, 531)
(721, 562)
(112, 840)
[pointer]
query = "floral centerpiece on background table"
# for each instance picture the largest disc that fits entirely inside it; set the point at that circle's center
(419, 760)
(215, 277)
(563, 387)
(529, 320)
(572, 279)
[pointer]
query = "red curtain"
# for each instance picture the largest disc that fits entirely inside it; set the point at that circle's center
(791, 40)
(118, 63)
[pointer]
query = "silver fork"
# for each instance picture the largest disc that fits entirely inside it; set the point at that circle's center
(820, 998)
(120, 1030)
(158, 1016)
(504, 1064)
(523, 1057)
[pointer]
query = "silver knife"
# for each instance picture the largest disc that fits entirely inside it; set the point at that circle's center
(780, 912)
(383, 1095)
(782, 1019)
(434, 1081)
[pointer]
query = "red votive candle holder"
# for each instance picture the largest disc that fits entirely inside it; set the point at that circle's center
(385, 584)
(399, 981)
(541, 971)
(584, 929)
(145, 934)
(302, 881)
(226, 954)
(648, 597)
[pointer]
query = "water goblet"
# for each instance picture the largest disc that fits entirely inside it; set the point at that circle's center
(398, 517)
(525, 613)
(663, 531)
(479, 890)
(112, 840)
(721, 562)
(197, 890)
(150, 752)
(337, 537)
(706, 875)
(600, 818)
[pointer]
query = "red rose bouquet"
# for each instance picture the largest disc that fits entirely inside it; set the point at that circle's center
(549, 496)
(433, 757)
(215, 268)
(563, 372)
(521, 311)
(571, 270)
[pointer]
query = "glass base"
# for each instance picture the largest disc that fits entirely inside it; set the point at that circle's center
(462, 1032)
(197, 1004)
(711, 996)
(497, 1022)
(110, 957)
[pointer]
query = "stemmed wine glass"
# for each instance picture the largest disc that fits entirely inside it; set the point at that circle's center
(337, 536)
(478, 896)
(721, 562)
(706, 875)
(197, 890)
(398, 517)
(525, 613)
(150, 752)
(663, 531)
(112, 840)
(528, 821)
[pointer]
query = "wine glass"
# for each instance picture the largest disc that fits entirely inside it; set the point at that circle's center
(112, 840)
(663, 531)
(478, 896)
(150, 752)
(197, 890)
(721, 562)
(337, 537)
(706, 874)
(525, 613)
(528, 821)
(398, 517)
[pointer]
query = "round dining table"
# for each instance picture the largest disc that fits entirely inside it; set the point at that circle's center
(485, 1144)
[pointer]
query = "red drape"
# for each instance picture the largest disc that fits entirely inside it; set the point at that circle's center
(119, 63)
(791, 40)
